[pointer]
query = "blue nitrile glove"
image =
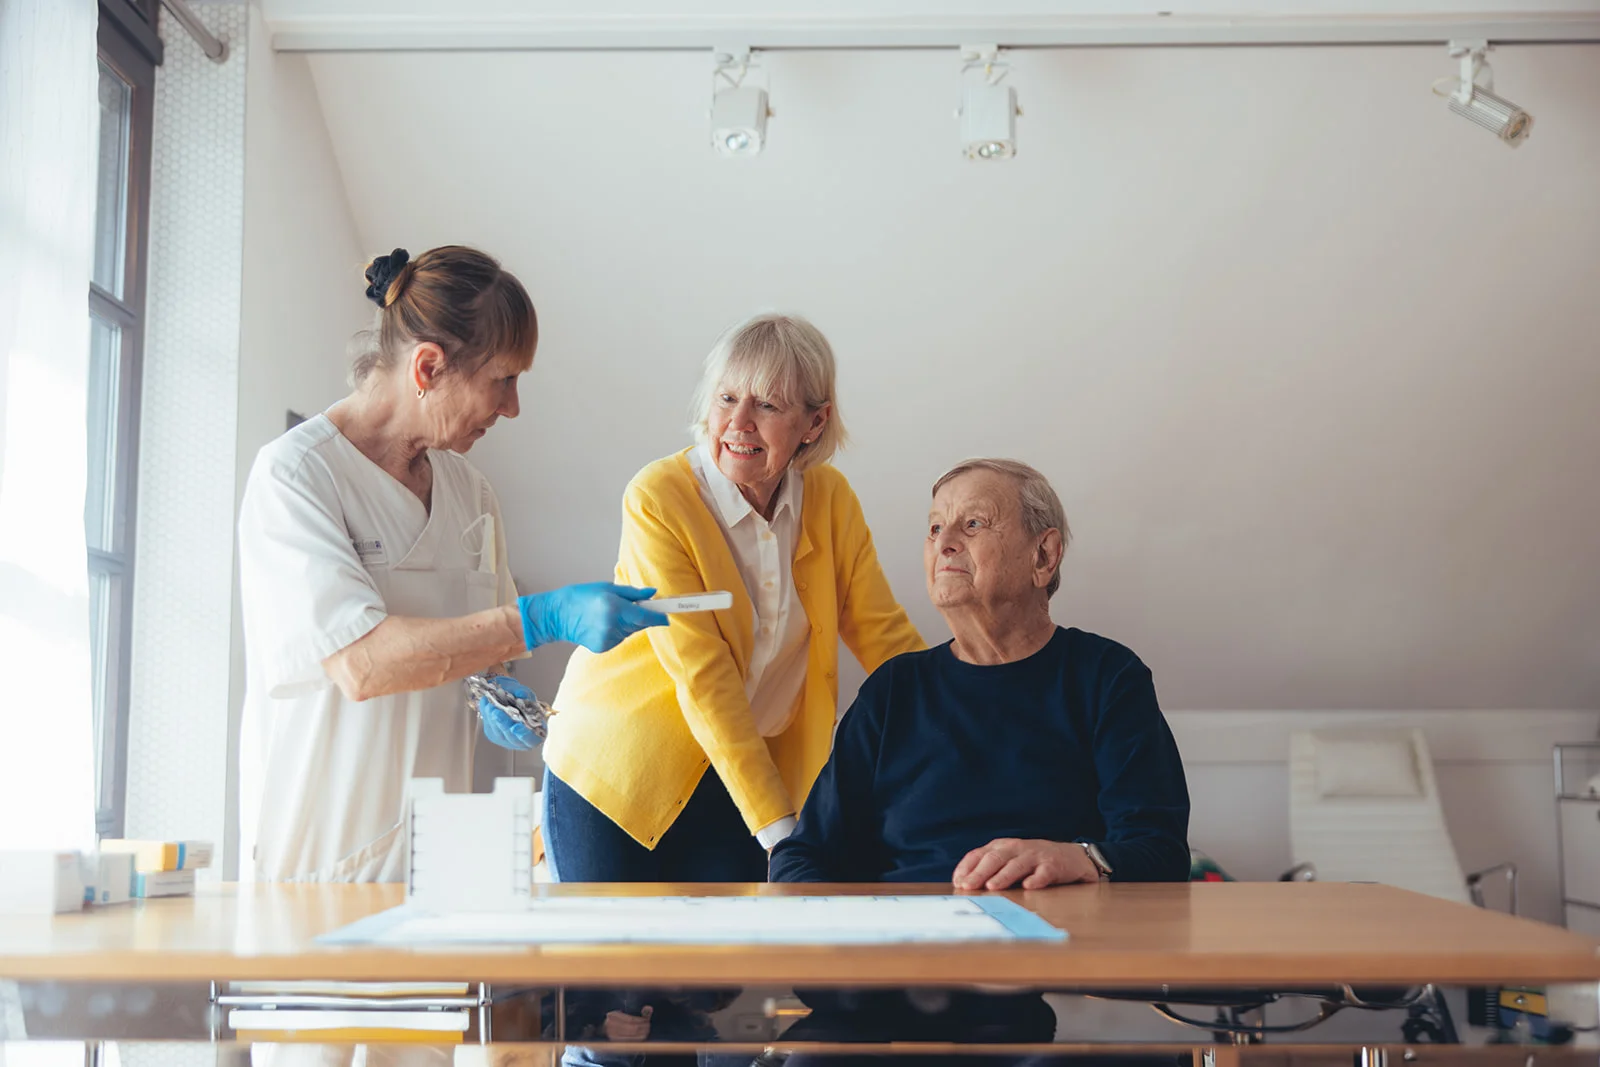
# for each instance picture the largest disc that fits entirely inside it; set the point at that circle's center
(596, 615)
(500, 728)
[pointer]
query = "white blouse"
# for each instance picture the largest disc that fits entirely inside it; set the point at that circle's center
(764, 554)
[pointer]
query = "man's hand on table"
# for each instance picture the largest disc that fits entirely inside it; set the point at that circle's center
(1006, 862)
(620, 1026)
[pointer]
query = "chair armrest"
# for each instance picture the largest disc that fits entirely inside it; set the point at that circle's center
(1300, 872)
(1476, 878)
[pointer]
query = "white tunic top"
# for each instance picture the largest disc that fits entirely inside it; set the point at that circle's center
(329, 545)
(764, 554)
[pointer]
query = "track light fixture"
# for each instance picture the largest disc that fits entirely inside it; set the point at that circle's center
(989, 111)
(1473, 98)
(738, 111)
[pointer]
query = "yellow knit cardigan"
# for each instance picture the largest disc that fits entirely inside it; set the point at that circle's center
(636, 727)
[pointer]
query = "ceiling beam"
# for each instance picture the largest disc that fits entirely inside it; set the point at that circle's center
(391, 33)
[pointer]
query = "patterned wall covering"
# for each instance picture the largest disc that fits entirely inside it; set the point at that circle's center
(177, 749)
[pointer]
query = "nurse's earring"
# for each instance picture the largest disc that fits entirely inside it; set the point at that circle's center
(422, 394)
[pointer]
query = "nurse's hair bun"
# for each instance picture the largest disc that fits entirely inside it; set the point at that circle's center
(382, 275)
(455, 297)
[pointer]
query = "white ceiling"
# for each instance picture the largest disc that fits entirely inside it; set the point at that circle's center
(351, 25)
(1314, 363)
(860, 9)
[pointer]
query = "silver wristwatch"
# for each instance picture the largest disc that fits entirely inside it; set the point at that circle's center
(1096, 858)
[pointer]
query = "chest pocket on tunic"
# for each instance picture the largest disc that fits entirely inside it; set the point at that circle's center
(481, 539)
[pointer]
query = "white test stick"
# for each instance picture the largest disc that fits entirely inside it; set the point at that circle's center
(670, 605)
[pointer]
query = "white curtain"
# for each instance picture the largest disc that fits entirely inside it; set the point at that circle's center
(48, 127)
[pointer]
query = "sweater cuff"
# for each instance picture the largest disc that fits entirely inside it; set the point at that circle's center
(770, 834)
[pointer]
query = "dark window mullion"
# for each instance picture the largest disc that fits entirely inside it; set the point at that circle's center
(109, 308)
(134, 27)
(129, 45)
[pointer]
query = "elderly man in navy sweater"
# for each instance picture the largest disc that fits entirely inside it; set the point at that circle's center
(1018, 754)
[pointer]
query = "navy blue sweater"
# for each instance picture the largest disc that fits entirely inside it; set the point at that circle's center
(937, 757)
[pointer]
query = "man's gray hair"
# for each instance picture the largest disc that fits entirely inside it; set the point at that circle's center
(1041, 507)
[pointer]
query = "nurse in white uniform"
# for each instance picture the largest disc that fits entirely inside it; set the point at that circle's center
(373, 578)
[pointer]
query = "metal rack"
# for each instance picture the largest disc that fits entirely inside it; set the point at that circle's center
(1577, 804)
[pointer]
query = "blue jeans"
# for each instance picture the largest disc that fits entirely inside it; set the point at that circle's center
(708, 842)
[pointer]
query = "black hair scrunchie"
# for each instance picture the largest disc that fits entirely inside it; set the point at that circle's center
(382, 271)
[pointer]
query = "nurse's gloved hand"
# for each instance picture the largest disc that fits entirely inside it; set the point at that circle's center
(596, 615)
(499, 727)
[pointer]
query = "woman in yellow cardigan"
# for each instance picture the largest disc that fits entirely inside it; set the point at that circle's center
(684, 753)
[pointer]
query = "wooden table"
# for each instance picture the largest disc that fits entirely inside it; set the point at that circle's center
(1247, 934)
(1272, 936)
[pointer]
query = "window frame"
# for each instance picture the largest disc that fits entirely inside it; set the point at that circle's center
(128, 44)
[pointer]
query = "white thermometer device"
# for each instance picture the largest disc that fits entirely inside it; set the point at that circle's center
(672, 605)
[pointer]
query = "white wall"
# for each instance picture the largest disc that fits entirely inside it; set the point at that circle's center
(302, 260)
(302, 285)
(1494, 770)
(1311, 360)
(178, 728)
(255, 287)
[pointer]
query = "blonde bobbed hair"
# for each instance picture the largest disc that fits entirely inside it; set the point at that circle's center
(783, 358)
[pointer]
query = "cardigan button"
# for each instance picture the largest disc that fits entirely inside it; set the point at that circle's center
(800, 586)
